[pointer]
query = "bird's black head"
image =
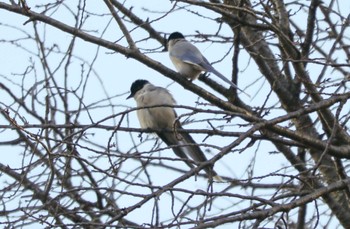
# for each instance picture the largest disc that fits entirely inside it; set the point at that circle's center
(136, 86)
(175, 35)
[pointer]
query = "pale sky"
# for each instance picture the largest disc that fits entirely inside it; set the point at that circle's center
(116, 73)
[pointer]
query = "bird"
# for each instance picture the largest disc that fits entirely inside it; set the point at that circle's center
(189, 61)
(164, 117)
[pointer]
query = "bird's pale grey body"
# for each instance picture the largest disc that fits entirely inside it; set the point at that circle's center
(186, 58)
(157, 117)
(163, 116)
(189, 61)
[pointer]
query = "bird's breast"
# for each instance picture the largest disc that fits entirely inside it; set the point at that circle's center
(158, 117)
(191, 71)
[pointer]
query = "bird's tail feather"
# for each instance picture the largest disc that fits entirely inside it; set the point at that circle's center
(221, 76)
(170, 140)
(197, 155)
(188, 147)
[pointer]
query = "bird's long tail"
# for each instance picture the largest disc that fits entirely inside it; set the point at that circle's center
(221, 76)
(184, 146)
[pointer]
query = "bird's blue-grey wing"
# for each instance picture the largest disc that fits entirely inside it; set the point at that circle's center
(186, 52)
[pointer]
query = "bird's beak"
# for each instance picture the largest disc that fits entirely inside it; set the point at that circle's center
(165, 47)
(130, 96)
(165, 44)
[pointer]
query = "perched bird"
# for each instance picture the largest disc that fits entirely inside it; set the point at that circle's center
(183, 145)
(188, 60)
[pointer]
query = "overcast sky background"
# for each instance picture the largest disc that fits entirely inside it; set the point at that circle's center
(113, 74)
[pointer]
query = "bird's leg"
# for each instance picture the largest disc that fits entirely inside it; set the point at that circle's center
(189, 79)
(147, 130)
(140, 136)
(205, 75)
